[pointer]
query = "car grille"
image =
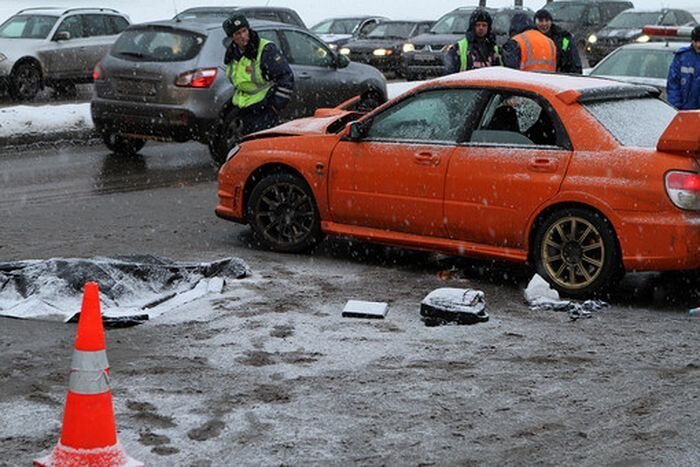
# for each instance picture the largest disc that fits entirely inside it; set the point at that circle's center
(613, 41)
(135, 87)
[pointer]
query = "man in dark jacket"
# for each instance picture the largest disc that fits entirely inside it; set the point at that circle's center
(683, 85)
(568, 59)
(477, 49)
(259, 72)
(528, 49)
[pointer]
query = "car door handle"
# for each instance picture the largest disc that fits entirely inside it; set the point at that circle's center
(304, 76)
(542, 164)
(426, 158)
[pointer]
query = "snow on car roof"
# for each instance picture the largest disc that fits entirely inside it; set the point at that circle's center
(546, 82)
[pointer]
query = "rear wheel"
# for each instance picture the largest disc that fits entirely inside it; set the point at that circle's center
(122, 145)
(25, 81)
(577, 252)
(283, 214)
(226, 137)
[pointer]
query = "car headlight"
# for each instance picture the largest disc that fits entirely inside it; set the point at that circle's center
(408, 47)
(333, 47)
(381, 52)
(234, 150)
(592, 39)
(3, 57)
(344, 51)
(643, 38)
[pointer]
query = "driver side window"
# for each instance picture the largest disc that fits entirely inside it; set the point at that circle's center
(305, 50)
(73, 25)
(438, 115)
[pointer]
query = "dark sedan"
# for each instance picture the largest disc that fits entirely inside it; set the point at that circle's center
(166, 80)
(383, 46)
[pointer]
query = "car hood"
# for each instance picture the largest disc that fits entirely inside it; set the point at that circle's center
(618, 33)
(371, 44)
(432, 39)
(317, 125)
(334, 37)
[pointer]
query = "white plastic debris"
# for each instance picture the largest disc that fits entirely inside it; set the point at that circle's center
(363, 309)
(449, 305)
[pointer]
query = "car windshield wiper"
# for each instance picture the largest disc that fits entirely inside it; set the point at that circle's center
(131, 54)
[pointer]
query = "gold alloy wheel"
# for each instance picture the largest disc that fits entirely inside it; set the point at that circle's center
(573, 252)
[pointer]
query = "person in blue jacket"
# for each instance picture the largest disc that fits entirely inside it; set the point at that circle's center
(683, 84)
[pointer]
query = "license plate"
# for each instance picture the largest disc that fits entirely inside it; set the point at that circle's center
(136, 88)
(424, 57)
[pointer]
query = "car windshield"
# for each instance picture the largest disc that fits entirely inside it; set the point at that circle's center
(27, 27)
(621, 118)
(636, 62)
(392, 30)
(634, 20)
(566, 11)
(157, 45)
(501, 21)
(336, 26)
(452, 23)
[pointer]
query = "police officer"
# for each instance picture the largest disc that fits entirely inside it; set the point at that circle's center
(568, 59)
(260, 74)
(528, 49)
(477, 49)
(683, 84)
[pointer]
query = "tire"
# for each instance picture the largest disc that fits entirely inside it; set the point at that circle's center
(579, 265)
(226, 137)
(121, 145)
(25, 81)
(283, 215)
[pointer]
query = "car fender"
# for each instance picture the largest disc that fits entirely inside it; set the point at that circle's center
(569, 198)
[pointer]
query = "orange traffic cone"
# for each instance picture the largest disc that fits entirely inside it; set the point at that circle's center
(89, 436)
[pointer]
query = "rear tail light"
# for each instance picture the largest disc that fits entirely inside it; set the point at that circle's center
(98, 73)
(683, 189)
(203, 78)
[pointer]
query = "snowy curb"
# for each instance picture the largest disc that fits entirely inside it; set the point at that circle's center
(54, 138)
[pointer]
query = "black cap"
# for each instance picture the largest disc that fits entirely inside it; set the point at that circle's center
(695, 35)
(234, 23)
(543, 14)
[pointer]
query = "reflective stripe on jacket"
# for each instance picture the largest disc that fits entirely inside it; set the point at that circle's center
(247, 78)
(537, 51)
(463, 52)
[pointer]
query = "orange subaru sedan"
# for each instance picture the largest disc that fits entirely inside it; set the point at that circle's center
(583, 178)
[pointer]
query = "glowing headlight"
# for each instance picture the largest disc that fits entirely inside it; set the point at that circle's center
(333, 46)
(408, 47)
(344, 51)
(592, 39)
(381, 52)
(643, 38)
(3, 57)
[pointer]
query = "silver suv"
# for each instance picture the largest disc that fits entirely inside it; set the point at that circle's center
(57, 47)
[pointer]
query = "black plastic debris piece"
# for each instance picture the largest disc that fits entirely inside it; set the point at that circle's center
(453, 306)
(115, 322)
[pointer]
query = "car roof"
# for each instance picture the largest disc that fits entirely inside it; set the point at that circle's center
(60, 11)
(203, 25)
(569, 88)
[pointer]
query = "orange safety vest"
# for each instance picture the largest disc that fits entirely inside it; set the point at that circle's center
(537, 51)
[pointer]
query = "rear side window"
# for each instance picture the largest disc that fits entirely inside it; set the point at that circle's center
(158, 45)
(621, 119)
(95, 25)
(116, 24)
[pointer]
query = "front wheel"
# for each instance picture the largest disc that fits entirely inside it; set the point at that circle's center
(121, 145)
(577, 252)
(283, 214)
(25, 82)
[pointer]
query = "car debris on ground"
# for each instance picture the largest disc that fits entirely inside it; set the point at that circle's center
(454, 306)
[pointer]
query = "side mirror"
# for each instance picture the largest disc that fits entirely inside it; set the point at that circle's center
(342, 61)
(355, 131)
(62, 36)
